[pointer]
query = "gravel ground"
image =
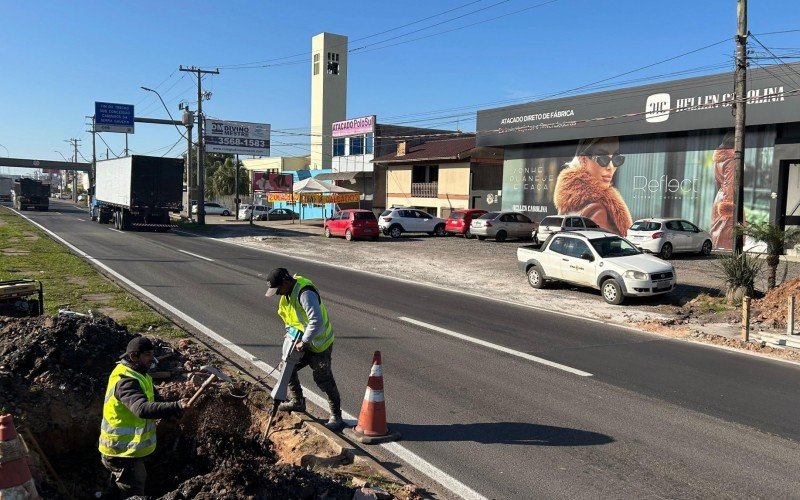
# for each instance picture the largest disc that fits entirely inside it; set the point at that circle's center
(484, 267)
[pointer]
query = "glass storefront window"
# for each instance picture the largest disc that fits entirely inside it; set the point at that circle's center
(370, 143)
(338, 146)
(357, 145)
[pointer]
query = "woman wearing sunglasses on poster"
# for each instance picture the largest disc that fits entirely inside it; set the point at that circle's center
(584, 185)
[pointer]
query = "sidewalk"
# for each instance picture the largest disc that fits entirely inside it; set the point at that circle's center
(467, 265)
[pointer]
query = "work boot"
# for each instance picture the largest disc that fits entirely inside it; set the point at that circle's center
(294, 404)
(335, 422)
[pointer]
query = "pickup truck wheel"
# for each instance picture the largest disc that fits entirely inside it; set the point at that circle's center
(501, 236)
(666, 251)
(535, 278)
(706, 248)
(395, 231)
(612, 292)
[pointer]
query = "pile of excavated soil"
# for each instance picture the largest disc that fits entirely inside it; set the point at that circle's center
(773, 309)
(53, 373)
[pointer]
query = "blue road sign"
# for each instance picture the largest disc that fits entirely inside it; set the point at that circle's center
(112, 117)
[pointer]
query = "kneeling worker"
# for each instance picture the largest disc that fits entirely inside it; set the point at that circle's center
(308, 327)
(128, 429)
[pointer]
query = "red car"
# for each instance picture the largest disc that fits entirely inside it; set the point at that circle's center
(352, 224)
(459, 221)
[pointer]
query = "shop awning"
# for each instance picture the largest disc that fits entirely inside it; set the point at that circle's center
(337, 176)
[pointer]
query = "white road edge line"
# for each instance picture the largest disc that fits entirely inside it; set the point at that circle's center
(194, 255)
(496, 347)
(82, 220)
(414, 460)
(111, 229)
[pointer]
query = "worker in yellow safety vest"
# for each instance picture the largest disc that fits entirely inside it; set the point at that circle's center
(130, 410)
(309, 329)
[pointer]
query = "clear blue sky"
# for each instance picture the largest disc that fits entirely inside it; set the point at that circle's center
(58, 58)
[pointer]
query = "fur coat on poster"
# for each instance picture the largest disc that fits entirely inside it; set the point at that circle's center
(577, 192)
(722, 222)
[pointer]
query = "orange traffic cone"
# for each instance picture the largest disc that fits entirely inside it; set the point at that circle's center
(15, 476)
(372, 428)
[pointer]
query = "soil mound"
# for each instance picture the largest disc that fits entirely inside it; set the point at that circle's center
(772, 309)
(53, 373)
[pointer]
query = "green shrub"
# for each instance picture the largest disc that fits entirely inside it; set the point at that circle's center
(739, 270)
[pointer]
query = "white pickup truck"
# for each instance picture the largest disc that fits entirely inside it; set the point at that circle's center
(597, 259)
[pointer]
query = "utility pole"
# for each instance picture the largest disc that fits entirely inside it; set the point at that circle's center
(236, 187)
(93, 170)
(188, 121)
(201, 173)
(74, 143)
(740, 92)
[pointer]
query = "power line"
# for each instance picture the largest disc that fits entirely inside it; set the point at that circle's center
(109, 147)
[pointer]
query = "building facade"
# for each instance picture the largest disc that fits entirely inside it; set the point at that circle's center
(660, 150)
(440, 176)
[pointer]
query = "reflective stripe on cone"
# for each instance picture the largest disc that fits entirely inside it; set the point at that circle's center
(15, 475)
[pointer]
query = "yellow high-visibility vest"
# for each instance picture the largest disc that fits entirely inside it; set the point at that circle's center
(123, 434)
(292, 313)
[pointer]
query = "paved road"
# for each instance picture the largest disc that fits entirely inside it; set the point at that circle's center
(657, 418)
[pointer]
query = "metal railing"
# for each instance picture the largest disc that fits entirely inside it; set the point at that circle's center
(425, 189)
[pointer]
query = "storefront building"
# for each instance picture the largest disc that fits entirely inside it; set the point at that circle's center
(443, 175)
(355, 143)
(660, 150)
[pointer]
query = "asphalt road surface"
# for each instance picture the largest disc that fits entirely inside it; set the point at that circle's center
(655, 418)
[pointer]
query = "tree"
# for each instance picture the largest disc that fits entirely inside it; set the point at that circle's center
(223, 180)
(776, 239)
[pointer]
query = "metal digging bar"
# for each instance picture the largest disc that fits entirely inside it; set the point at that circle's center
(279, 393)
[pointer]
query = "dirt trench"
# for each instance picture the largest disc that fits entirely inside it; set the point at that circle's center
(53, 373)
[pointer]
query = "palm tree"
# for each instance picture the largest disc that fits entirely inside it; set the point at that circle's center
(776, 239)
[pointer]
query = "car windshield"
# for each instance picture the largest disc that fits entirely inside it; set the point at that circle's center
(614, 246)
(645, 225)
(489, 215)
(551, 221)
(363, 216)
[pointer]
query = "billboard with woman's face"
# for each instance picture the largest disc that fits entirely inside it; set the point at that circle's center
(616, 180)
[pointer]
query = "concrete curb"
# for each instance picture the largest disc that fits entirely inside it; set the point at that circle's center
(349, 450)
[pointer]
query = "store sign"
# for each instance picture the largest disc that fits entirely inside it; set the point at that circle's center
(272, 182)
(315, 198)
(696, 103)
(356, 126)
(236, 137)
(112, 117)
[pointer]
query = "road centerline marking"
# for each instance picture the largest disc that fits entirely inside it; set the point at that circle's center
(116, 230)
(82, 220)
(194, 255)
(496, 347)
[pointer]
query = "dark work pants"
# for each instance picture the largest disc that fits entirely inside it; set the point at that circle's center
(320, 363)
(128, 474)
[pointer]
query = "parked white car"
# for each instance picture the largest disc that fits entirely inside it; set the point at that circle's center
(212, 209)
(555, 223)
(396, 221)
(665, 237)
(502, 225)
(597, 259)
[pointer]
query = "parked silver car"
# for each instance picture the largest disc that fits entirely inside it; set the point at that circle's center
(502, 225)
(667, 236)
(555, 223)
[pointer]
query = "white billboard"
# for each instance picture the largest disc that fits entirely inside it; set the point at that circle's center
(243, 138)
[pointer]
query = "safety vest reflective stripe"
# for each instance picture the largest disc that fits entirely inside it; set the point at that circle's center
(291, 311)
(129, 445)
(123, 431)
(123, 434)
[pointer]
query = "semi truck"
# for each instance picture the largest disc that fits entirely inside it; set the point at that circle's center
(30, 193)
(6, 185)
(137, 192)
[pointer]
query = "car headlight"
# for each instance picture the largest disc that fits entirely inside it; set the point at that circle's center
(636, 275)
